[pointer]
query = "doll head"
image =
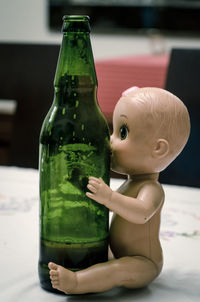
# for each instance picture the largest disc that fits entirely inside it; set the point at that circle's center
(150, 128)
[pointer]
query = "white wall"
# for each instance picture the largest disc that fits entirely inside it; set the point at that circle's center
(27, 20)
(23, 19)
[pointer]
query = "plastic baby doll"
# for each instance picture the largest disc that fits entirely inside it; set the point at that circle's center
(151, 127)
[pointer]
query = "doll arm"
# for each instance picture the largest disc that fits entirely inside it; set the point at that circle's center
(136, 210)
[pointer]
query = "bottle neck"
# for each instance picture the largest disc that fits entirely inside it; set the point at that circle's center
(76, 57)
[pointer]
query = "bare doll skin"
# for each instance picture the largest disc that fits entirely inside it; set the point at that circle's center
(143, 144)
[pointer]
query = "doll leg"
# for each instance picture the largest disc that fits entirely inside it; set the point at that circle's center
(130, 272)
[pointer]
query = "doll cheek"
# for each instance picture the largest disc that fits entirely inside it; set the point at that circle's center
(116, 159)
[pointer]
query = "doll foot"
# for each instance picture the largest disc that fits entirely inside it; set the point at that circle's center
(62, 278)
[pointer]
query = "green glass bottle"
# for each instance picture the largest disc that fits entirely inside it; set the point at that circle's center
(74, 144)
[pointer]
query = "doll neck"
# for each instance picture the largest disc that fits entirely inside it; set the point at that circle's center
(143, 177)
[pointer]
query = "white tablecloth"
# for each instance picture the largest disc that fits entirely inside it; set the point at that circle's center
(19, 238)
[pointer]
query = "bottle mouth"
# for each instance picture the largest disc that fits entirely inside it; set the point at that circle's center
(76, 23)
(76, 18)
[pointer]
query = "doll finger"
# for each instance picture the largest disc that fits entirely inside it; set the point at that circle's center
(94, 183)
(90, 195)
(92, 188)
(94, 179)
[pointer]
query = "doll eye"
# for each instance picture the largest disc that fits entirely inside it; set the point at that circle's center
(123, 132)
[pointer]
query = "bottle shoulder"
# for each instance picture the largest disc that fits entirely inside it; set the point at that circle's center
(68, 125)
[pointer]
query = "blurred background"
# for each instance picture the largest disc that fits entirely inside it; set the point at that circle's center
(119, 27)
(135, 42)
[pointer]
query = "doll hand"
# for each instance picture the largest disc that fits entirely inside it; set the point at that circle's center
(100, 191)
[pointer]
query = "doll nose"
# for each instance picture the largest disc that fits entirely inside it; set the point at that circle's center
(111, 139)
(111, 143)
(111, 151)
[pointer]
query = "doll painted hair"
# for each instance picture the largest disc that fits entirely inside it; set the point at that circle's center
(168, 116)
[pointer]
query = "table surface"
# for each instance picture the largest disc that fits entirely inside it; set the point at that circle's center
(19, 238)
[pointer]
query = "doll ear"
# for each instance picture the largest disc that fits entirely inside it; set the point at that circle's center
(161, 148)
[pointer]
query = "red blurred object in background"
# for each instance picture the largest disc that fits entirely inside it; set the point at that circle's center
(116, 75)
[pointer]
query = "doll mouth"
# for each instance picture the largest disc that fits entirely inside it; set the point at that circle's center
(112, 158)
(110, 152)
(112, 155)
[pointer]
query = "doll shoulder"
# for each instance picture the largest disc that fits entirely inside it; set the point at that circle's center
(152, 191)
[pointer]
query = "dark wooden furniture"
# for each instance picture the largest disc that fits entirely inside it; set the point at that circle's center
(26, 75)
(183, 80)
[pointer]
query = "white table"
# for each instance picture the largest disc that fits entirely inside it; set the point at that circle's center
(19, 237)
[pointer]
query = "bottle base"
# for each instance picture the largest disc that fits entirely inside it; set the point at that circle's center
(72, 256)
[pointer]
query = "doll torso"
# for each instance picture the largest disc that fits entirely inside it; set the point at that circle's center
(129, 239)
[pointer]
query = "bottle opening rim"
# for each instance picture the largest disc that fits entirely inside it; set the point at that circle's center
(76, 18)
(76, 23)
